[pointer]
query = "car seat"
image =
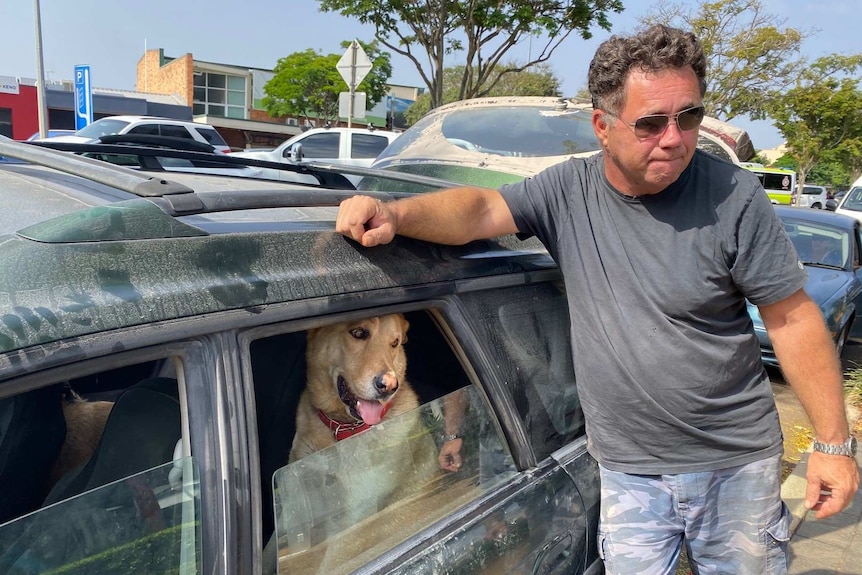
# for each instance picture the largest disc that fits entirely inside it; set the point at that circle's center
(140, 433)
(32, 429)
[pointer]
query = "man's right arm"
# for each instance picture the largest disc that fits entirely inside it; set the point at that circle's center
(455, 216)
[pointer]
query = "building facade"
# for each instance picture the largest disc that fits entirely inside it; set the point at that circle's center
(230, 98)
(19, 106)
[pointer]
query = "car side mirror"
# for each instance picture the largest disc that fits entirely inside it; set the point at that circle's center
(294, 154)
(831, 205)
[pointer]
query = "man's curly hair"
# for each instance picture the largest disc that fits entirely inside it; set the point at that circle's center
(656, 48)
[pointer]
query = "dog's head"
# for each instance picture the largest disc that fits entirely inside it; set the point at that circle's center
(355, 368)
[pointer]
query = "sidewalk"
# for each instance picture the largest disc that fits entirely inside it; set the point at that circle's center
(831, 546)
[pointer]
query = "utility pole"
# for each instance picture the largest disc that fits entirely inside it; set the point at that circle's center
(40, 79)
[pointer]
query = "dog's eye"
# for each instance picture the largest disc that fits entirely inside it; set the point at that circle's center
(359, 333)
(396, 342)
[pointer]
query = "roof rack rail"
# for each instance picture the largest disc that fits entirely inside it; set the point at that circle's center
(332, 179)
(176, 199)
(93, 170)
(327, 174)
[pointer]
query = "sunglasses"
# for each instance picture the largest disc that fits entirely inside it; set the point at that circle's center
(654, 125)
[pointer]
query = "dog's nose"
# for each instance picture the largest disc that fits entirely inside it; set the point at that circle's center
(386, 383)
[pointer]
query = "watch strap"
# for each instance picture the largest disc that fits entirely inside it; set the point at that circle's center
(848, 448)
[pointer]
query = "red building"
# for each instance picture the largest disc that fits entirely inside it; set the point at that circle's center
(19, 106)
(19, 111)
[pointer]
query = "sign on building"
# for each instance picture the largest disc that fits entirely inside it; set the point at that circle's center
(8, 85)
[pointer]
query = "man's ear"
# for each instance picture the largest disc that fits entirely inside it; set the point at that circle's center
(601, 126)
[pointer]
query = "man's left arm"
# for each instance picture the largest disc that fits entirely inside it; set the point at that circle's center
(796, 324)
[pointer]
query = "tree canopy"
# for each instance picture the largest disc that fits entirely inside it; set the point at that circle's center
(749, 52)
(821, 116)
(307, 83)
(484, 30)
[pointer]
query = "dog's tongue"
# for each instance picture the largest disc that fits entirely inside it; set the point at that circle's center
(370, 411)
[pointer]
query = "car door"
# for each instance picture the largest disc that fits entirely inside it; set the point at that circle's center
(856, 258)
(101, 468)
(507, 508)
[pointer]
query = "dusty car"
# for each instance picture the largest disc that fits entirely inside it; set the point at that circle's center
(828, 245)
(153, 335)
(492, 141)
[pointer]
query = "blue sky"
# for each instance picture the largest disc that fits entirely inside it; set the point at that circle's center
(110, 36)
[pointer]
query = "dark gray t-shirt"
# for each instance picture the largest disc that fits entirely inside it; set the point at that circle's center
(667, 364)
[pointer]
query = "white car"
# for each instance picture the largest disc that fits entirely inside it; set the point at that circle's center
(147, 125)
(851, 203)
(813, 197)
(349, 146)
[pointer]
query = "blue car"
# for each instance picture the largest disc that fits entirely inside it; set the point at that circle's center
(829, 247)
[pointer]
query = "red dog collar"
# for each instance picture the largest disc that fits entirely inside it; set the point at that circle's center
(344, 430)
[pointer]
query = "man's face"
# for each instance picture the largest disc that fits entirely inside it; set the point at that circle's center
(638, 166)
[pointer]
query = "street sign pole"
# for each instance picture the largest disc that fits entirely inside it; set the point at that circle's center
(41, 101)
(353, 66)
(83, 97)
(352, 83)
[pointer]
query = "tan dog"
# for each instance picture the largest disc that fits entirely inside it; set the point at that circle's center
(85, 421)
(356, 377)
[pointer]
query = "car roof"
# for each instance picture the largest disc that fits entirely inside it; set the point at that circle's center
(101, 248)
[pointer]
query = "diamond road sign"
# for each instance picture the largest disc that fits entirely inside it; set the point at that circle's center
(354, 65)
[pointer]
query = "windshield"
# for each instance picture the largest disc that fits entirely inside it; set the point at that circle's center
(819, 245)
(853, 200)
(104, 127)
(517, 131)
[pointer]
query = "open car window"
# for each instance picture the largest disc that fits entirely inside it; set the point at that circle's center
(95, 472)
(341, 507)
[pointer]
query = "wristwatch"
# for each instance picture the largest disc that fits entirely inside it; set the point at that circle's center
(847, 448)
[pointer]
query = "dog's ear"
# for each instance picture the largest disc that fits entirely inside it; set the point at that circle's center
(405, 325)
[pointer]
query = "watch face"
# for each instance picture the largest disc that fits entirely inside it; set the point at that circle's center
(852, 444)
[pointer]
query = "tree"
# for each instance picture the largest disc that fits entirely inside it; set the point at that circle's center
(307, 84)
(538, 81)
(821, 117)
(749, 55)
(485, 30)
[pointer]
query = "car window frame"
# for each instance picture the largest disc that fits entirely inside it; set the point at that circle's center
(362, 145)
(193, 372)
(455, 328)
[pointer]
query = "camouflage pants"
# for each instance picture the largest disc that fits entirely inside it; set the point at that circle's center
(732, 521)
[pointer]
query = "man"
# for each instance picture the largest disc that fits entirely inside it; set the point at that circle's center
(659, 245)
